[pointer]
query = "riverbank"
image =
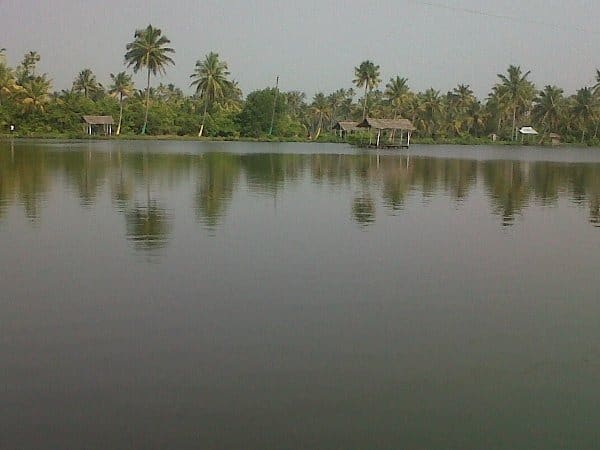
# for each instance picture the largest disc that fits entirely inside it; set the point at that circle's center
(323, 139)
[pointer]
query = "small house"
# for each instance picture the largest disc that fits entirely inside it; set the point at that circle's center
(395, 130)
(98, 125)
(345, 127)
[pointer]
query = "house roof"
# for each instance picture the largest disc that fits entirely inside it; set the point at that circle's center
(346, 125)
(99, 120)
(387, 124)
(554, 136)
(527, 130)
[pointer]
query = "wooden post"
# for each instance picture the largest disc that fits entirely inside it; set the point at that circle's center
(408, 140)
(378, 136)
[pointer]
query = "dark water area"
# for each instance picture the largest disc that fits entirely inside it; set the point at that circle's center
(285, 296)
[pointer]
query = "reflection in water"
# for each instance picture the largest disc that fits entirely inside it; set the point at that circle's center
(30, 171)
(217, 178)
(148, 226)
(363, 210)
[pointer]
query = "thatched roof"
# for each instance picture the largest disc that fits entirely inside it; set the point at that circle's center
(346, 125)
(99, 120)
(554, 136)
(387, 124)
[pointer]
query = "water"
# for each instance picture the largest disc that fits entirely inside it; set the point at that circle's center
(285, 296)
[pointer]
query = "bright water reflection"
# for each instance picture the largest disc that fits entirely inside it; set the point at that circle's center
(228, 295)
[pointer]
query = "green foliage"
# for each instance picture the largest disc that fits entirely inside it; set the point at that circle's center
(255, 118)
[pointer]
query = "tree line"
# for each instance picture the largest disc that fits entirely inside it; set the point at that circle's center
(218, 108)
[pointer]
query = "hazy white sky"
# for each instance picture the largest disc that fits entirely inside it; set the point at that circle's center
(315, 44)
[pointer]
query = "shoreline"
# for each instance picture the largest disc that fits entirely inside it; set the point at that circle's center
(424, 141)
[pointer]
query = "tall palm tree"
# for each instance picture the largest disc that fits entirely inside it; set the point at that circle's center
(397, 93)
(85, 82)
(432, 109)
(148, 50)
(518, 92)
(584, 109)
(367, 76)
(549, 108)
(122, 86)
(34, 93)
(460, 101)
(8, 84)
(320, 108)
(210, 80)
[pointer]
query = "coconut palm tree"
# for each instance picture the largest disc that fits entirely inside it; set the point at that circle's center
(210, 80)
(367, 76)
(432, 108)
(549, 108)
(397, 94)
(8, 84)
(320, 108)
(86, 82)
(34, 93)
(149, 50)
(122, 86)
(517, 92)
(583, 109)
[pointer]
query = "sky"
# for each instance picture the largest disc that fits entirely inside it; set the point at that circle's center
(314, 45)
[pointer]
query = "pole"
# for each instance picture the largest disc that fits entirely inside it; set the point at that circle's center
(274, 104)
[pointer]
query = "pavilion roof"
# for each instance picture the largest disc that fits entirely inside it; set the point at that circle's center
(346, 125)
(387, 124)
(99, 120)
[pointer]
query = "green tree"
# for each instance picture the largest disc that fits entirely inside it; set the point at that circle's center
(583, 109)
(34, 94)
(122, 86)
(210, 80)
(516, 92)
(397, 94)
(85, 82)
(549, 108)
(367, 76)
(320, 109)
(255, 117)
(149, 50)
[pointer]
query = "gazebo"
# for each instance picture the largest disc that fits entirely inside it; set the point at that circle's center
(391, 127)
(98, 125)
(344, 127)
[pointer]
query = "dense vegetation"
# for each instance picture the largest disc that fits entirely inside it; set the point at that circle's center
(218, 109)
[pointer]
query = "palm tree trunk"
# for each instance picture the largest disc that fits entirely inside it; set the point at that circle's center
(514, 127)
(147, 104)
(365, 103)
(319, 126)
(203, 117)
(120, 113)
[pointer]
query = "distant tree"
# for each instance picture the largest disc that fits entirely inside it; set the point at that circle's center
(255, 117)
(516, 92)
(367, 76)
(122, 86)
(397, 94)
(210, 80)
(149, 50)
(34, 94)
(86, 82)
(320, 108)
(549, 108)
(583, 110)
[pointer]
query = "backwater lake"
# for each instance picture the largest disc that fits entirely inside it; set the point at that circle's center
(194, 295)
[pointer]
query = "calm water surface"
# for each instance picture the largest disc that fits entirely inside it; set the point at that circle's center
(178, 295)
